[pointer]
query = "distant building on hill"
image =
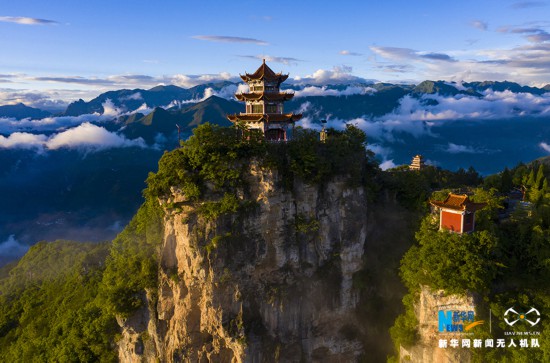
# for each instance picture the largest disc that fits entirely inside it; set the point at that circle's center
(264, 104)
(457, 213)
(417, 163)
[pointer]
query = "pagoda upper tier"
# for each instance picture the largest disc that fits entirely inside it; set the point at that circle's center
(264, 104)
(264, 73)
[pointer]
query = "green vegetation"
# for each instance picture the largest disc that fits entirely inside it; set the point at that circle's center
(216, 159)
(304, 224)
(60, 301)
(503, 262)
(132, 264)
(49, 306)
(412, 188)
(58, 304)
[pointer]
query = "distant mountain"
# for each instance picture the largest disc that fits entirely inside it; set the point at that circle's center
(443, 88)
(505, 86)
(336, 100)
(87, 195)
(21, 111)
(213, 110)
(163, 122)
(129, 100)
(383, 101)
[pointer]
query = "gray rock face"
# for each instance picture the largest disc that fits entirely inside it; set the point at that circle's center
(272, 283)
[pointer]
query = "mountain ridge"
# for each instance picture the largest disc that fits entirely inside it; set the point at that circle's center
(130, 100)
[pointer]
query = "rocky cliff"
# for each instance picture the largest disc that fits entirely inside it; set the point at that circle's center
(271, 282)
(426, 349)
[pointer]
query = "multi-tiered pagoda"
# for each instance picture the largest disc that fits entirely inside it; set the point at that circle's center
(264, 104)
(417, 163)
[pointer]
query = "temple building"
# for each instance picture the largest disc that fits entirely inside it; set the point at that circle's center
(264, 104)
(457, 213)
(417, 163)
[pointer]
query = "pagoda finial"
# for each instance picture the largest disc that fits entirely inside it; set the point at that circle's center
(264, 60)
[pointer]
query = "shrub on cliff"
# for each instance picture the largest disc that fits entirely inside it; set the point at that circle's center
(132, 264)
(219, 157)
(450, 261)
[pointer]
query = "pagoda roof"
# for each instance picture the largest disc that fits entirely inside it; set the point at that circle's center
(459, 202)
(264, 73)
(264, 96)
(258, 117)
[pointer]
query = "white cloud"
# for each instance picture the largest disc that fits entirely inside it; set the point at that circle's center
(12, 248)
(493, 105)
(388, 164)
(527, 63)
(274, 59)
(227, 92)
(86, 136)
(90, 86)
(188, 81)
(458, 85)
(110, 110)
(347, 52)
(325, 91)
(89, 136)
(27, 21)
(415, 116)
(52, 100)
(22, 140)
(133, 96)
(229, 39)
(459, 149)
(479, 24)
(304, 107)
(394, 53)
(9, 125)
(379, 150)
(545, 146)
(338, 75)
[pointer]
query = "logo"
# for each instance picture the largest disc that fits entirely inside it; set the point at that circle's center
(515, 316)
(456, 321)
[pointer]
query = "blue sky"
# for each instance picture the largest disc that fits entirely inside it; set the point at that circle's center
(70, 49)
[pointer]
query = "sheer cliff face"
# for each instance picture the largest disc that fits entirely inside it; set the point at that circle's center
(270, 283)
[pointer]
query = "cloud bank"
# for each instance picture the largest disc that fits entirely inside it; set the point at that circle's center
(57, 123)
(325, 91)
(86, 136)
(338, 75)
(45, 100)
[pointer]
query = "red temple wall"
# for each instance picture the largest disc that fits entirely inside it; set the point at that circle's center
(451, 221)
